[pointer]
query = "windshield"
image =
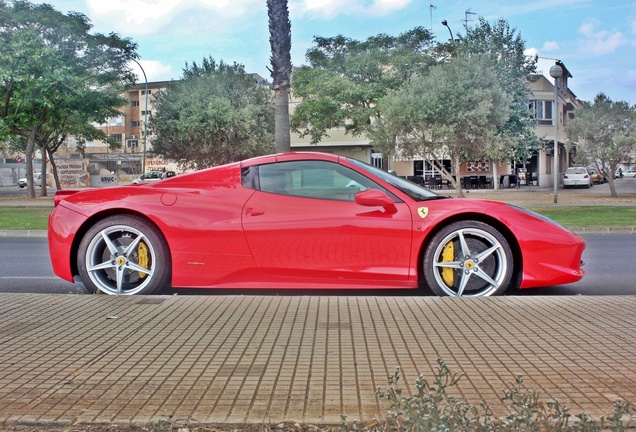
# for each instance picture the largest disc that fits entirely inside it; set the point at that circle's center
(414, 191)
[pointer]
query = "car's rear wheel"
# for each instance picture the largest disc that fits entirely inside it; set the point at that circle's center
(124, 255)
(468, 258)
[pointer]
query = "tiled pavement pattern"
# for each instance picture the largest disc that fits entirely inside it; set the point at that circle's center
(234, 359)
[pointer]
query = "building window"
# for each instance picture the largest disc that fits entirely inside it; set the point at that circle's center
(377, 160)
(115, 137)
(115, 121)
(143, 92)
(543, 112)
(148, 112)
(135, 123)
(134, 103)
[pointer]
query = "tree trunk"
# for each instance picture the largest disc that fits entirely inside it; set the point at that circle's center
(460, 192)
(280, 43)
(29, 163)
(54, 172)
(495, 180)
(43, 191)
(281, 131)
(610, 179)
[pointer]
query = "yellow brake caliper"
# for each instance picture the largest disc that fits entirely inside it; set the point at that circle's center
(142, 252)
(448, 255)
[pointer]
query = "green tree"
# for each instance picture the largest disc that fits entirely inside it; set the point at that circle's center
(505, 48)
(346, 79)
(280, 42)
(51, 69)
(77, 122)
(216, 114)
(454, 112)
(604, 133)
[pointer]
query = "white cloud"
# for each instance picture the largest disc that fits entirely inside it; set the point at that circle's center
(531, 52)
(155, 71)
(600, 42)
(550, 46)
(140, 17)
(331, 8)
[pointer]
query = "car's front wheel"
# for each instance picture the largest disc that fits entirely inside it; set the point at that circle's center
(468, 258)
(124, 255)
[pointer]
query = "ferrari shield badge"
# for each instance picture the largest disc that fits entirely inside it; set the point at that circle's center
(423, 212)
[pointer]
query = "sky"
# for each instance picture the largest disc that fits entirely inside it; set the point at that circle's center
(595, 39)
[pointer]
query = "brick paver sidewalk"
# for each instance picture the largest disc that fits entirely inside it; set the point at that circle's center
(69, 359)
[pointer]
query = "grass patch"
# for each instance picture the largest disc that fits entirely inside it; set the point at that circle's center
(590, 216)
(36, 218)
(24, 218)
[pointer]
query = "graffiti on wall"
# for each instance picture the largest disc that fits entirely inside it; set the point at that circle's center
(72, 173)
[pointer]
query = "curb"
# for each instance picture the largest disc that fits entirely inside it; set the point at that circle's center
(607, 230)
(23, 233)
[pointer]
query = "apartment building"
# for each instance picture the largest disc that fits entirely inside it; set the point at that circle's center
(129, 128)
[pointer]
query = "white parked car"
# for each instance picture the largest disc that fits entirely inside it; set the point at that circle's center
(37, 180)
(577, 176)
(152, 176)
(630, 173)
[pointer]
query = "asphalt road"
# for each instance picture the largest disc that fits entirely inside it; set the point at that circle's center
(25, 267)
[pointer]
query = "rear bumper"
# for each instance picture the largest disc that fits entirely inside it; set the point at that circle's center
(63, 225)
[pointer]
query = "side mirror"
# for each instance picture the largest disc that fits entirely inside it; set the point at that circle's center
(376, 198)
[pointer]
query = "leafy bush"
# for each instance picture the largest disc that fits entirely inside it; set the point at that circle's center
(431, 408)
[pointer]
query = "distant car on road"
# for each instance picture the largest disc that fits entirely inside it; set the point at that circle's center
(577, 176)
(152, 176)
(630, 173)
(37, 180)
(597, 177)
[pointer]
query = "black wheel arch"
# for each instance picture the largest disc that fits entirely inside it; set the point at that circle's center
(495, 223)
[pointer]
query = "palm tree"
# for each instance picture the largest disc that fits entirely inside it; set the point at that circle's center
(280, 42)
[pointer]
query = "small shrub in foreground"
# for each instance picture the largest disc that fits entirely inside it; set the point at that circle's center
(431, 408)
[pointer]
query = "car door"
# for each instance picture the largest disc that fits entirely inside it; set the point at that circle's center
(303, 221)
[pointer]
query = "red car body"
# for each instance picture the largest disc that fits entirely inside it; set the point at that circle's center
(221, 229)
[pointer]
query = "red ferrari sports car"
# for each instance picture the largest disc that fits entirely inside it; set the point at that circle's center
(302, 220)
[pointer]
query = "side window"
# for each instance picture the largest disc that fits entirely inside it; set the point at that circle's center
(313, 179)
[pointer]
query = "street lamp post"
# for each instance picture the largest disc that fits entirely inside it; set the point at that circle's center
(143, 157)
(445, 23)
(556, 72)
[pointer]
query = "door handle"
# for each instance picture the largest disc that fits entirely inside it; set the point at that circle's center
(255, 212)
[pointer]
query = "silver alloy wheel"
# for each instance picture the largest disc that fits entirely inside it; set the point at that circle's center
(120, 259)
(479, 263)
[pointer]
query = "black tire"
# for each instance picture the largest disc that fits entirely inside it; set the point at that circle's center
(125, 255)
(468, 258)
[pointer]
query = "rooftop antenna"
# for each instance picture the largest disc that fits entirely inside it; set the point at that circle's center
(431, 6)
(466, 20)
